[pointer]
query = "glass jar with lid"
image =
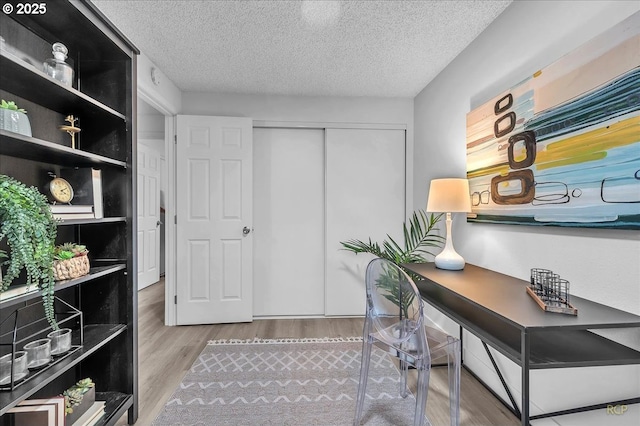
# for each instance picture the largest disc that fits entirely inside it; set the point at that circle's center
(56, 67)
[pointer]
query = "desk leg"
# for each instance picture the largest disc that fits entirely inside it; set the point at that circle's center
(461, 347)
(525, 348)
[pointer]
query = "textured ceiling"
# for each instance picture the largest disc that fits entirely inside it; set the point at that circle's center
(319, 48)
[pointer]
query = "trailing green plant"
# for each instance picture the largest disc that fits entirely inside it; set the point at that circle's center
(420, 236)
(30, 229)
(3, 255)
(11, 105)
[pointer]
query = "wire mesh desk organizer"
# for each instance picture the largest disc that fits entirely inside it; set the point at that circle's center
(395, 322)
(27, 326)
(550, 292)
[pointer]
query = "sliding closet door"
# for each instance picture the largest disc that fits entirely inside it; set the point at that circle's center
(288, 212)
(365, 197)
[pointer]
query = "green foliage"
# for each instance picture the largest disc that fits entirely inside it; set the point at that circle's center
(74, 395)
(419, 237)
(388, 283)
(27, 224)
(11, 105)
(68, 251)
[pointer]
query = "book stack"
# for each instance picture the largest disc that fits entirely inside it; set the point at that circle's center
(44, 411)
(50, 412)
(92, 416)
(87, 195)
(72, 211)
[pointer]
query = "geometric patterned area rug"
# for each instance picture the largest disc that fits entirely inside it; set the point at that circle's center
(288, 382)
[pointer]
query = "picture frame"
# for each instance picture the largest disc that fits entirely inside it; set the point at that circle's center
(562, 147)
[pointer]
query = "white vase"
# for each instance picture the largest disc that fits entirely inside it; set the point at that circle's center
(15, 121)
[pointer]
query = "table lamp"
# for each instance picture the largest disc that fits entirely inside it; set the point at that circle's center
(449, 196)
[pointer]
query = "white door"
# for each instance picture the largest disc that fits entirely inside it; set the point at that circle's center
(214, 220)
(148, 216)
(288, 194)
(365, 198)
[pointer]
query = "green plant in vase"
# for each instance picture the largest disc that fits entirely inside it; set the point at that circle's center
(75, 394)
(11, 105)
(30, 230)
(420, 236)
(70, 261)
(13, 118)
(68, 251)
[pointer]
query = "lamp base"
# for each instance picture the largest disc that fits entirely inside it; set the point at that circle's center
(451, 261)
(449, 257)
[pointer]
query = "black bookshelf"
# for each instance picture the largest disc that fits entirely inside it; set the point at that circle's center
(103, 97)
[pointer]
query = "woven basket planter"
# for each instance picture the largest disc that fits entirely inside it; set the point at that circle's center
(70, 268)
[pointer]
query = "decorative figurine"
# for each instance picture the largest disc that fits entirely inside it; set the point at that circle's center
(72, 129)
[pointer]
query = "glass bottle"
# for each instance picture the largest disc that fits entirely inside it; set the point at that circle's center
(56, 67)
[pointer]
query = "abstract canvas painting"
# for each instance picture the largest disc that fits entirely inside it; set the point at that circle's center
(562, 147)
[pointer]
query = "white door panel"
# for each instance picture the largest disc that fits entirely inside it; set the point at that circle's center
(214, 205)
(289, 221)
(148, 216)
(365, 184)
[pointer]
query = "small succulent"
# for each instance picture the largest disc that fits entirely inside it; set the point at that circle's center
(11, 105)
(68, 251)
(73, 396)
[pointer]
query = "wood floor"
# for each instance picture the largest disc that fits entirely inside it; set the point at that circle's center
(166, 353)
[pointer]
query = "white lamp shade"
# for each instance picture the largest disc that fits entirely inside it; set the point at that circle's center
(449, 195)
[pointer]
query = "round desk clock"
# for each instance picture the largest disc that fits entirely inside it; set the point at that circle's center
(61, 190)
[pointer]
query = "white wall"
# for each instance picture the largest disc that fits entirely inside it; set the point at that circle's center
(151, 127)
(310, 109)
(166, 98)
(165, 95)
(602, 265)
(301, 108)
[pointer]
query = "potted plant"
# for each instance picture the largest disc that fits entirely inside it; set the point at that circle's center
(78, 399)
(419, 237)
(70, 261)
(30, 230)
(14, 119)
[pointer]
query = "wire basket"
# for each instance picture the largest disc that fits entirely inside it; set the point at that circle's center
(550, 291)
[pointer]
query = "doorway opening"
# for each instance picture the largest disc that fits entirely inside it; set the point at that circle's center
(156, 196)
(151, 199)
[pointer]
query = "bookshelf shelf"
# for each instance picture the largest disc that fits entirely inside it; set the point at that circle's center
(68, 222)
(116, 405)
(95, 337)
(36, 86)
(21, 146)
(21, 294)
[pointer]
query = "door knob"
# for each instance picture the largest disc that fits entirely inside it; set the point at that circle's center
(246, 230)
(158, 223)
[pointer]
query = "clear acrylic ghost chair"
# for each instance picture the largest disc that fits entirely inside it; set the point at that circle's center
(395, 321)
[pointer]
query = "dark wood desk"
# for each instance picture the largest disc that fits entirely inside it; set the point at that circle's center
(497, 309)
